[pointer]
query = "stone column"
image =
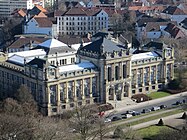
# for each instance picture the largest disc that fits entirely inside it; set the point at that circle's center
(136, 77)
(82, 89)
(122, 91)
(142, 72)
(121, 70)
(58, 94)
(156, 70)
(172, 71)
(106, 73)
(149, 75)
(75, 90)
(165, 72)
(91, 94)
(113, 72)
(48, 95)
(67, 98)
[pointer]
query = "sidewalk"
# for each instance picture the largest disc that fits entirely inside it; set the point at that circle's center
(125, 108)
(172, 120)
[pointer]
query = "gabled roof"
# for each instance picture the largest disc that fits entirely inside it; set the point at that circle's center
(173, 30)
(23, 41)
(70, 40)
(41, 14)
(43, 22)
(152, 26)
(41, 8)
(81, 11)
(105, 44)
(184, 23)
(173, 10)
(53, 46)
(75, 11)
(143, 21)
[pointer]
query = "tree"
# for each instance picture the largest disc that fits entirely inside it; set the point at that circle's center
(24, 97)
(11, 107)
(84, 122)
(102, 127)
(14, 127)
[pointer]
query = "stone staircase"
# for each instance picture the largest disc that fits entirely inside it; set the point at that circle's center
(125, 102)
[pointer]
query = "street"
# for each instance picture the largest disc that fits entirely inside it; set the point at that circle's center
(169, 101)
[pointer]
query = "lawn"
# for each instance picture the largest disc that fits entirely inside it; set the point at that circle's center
(151, 131)
(155, 95)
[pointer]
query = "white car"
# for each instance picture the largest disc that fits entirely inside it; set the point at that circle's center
(107, 120)
(126, 116)
(155, 108)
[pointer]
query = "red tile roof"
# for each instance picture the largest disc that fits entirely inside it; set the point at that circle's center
(43, 22)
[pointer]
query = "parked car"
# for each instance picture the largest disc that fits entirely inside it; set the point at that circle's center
(178, 102)
(107, 120)
(163, 106)
(126, 116)
(155, 108)
(146, 110)
(184, 101)
(116, 118)
(130, 111)
(135, 113)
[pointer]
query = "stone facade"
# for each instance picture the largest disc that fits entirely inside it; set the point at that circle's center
(104, 71)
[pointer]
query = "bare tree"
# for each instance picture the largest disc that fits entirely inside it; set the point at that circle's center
(14, 127)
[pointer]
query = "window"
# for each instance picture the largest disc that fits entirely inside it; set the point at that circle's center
(109, 71)
(124, 71)
(72, 105)
(117, 72)
(63, 106)
(147, 88)
(140, 90)
(72, 60)
(133, 91)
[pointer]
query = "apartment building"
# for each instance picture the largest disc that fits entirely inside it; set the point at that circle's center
(80, 21)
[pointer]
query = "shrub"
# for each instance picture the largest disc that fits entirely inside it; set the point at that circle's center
(139, 97)
(184, 116)
(118, 132)
(174, 84)
(160, 123)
